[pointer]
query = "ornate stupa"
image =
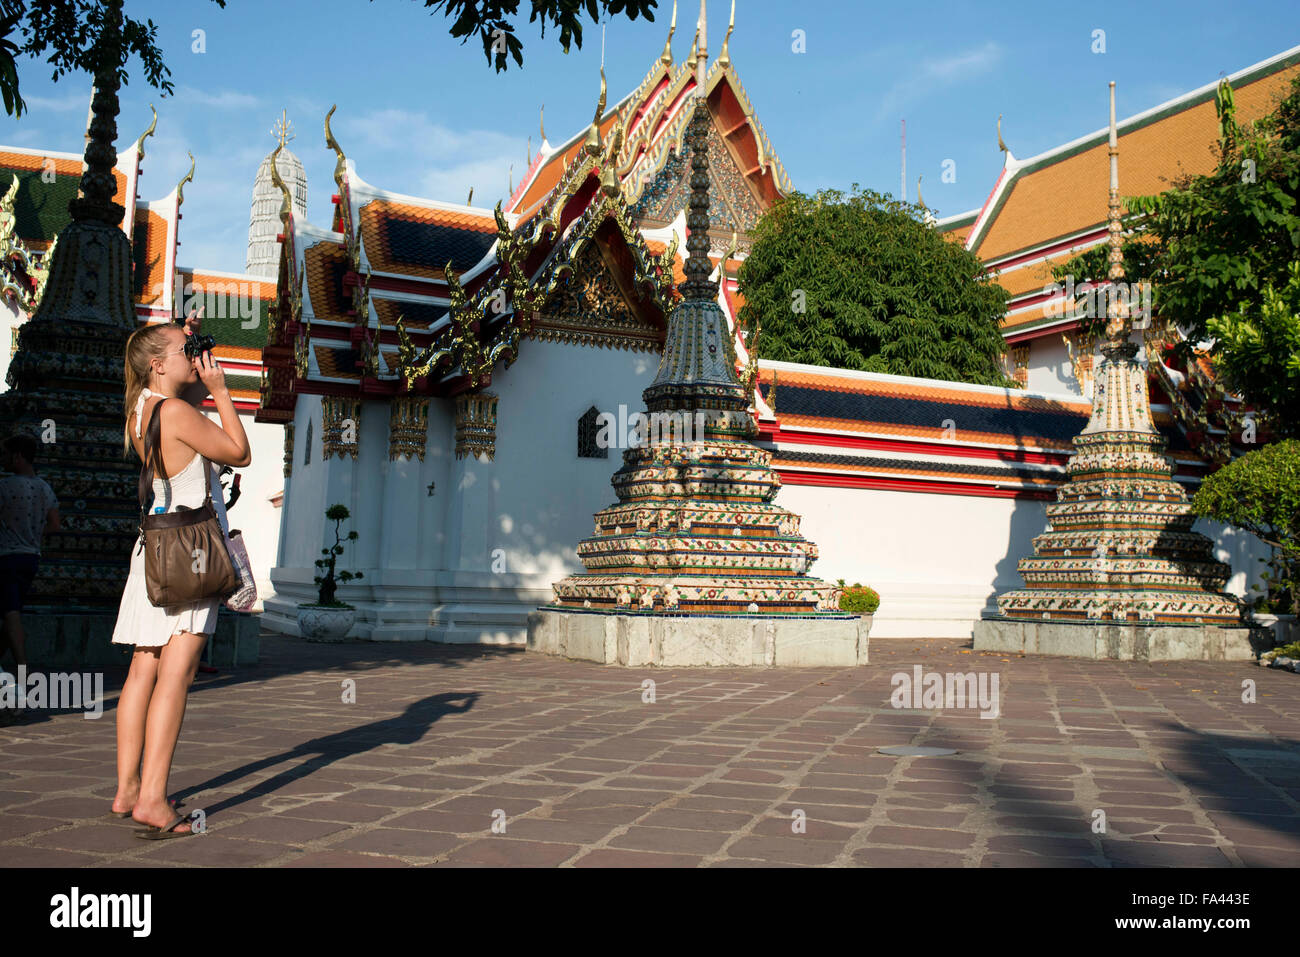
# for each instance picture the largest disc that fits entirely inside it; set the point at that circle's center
(695, 531)
(264, 224)
(66, 376)
(1119, 547)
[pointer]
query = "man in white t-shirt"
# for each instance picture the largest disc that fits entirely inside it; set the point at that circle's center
(28, 510)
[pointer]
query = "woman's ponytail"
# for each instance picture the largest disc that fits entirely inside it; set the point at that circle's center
(146, 344)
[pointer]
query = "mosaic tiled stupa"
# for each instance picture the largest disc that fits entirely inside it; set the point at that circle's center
(66, 376)
(695, 529)
(695, 536)
(1119, 547)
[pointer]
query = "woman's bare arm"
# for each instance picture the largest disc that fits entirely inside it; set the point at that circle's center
(225, 444)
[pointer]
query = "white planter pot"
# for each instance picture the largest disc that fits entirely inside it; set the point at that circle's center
(1282, 626)
(325, 624)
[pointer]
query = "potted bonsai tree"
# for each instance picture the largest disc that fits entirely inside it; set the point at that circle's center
(328, 619)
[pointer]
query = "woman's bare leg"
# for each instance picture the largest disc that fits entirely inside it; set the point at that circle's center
(132, 706)
(176, 667)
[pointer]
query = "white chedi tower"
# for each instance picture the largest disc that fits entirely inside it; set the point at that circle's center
(264, 220)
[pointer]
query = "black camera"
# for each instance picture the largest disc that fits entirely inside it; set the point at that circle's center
(194, 345)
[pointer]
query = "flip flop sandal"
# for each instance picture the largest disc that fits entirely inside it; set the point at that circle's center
(165, 833)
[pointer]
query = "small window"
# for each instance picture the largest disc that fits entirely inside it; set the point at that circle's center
(588, 430)
(306, 452)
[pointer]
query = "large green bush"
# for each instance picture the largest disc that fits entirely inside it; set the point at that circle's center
(1260, 493)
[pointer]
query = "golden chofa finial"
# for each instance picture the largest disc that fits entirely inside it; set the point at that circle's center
(541, 118)
(282, 129)
(592, 142)
(139, 144)
(694, 58)
(469, 200)
(724, 58)
(187, 178)
(919, 200)
(286, 202)
(341, 165)
(1001, 145)
(667, 56)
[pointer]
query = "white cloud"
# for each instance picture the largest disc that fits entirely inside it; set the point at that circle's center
(79, 100)
(935, 73)
(219, 100)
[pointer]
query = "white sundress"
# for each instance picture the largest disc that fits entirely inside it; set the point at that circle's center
(140, 622)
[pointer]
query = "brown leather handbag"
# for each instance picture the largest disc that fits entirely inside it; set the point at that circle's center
(185, 555)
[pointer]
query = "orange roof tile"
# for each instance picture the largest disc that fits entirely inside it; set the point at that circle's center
(1069, 193)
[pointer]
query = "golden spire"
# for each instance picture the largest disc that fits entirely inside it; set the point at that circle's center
(592, 143)
(667, 56)
(187, 178)
(724, 58)
(702, 61)
(139, 144)
(1001, 145)
(282, 128)
(1117, 324)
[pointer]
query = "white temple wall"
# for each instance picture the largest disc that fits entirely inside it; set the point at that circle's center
(936, 560)
(257, 519)
(1050, 369)
(11, 317)
(544, 495)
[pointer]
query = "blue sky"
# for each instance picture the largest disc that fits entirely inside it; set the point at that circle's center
(419, 113)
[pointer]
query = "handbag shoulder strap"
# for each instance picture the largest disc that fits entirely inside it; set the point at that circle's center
(153, 462)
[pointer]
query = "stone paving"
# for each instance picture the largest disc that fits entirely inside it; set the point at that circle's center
(444, 742)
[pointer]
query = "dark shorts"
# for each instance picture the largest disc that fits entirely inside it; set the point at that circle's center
(16, 574)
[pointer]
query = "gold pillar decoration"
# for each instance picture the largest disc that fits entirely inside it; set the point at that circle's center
(288, 449)
(1078, 346)
(476, 424)
(408, 426)
(1019, 356)
(340, 432)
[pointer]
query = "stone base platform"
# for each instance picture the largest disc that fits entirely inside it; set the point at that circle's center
(700, 640)
(58, 639)
(1121, 642)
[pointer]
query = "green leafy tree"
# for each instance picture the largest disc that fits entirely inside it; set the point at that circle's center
(860, 281)
(65, 33)
(491, 21)
(1257, 350)
(1260, 493)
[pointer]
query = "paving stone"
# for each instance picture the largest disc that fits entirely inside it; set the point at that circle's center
(289, 777)
(499, 852)
(906, 857)
(611, 857)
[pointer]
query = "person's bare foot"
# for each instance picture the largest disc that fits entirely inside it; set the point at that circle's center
(157, 815)
(124, 801)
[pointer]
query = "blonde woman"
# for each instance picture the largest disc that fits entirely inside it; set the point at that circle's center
(168, 641)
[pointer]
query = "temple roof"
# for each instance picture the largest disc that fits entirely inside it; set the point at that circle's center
(1050, 207)
(859, 429)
